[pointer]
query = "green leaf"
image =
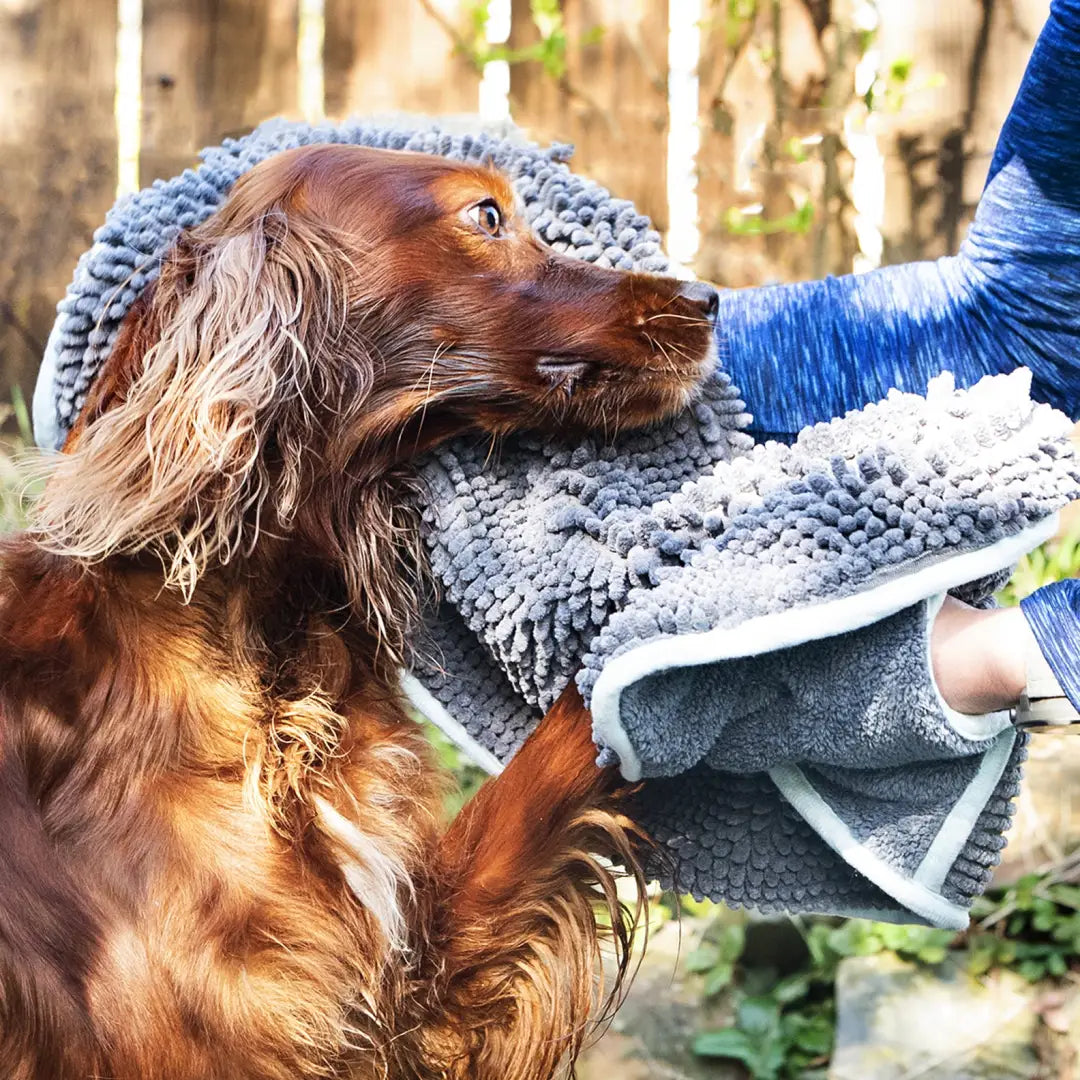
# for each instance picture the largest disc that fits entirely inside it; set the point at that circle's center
(1044, 913)
(729, 939)
(478, 17)
(856, 937)
(753, 223)
(792, 988)
(1066, 895)
(925, 943)
(724, 1043)
(932, 954)
(704, 958)
(1025, 890)
(981, 959)
(719, 979)
(1016, 924)
(817, 944)
(768, 1061)
(1065, 928)
(22, 415)
(812, 1034)
(759, 1016)
(900, 69)
(1032, 970)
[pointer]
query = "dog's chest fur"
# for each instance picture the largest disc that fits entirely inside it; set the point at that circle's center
(181, 838)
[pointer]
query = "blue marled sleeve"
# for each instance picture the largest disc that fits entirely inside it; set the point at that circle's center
(1053, 613)
(807, 352)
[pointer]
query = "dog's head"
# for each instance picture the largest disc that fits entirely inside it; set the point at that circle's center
(345, 309)
(439, 296)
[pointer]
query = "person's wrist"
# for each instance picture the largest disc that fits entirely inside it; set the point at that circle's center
(979, 656)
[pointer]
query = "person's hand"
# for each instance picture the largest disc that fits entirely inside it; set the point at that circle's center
(979, 656)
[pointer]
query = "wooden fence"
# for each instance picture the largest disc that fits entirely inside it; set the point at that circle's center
(774, 169)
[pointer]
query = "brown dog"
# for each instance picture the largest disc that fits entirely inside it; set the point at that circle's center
(220, 844)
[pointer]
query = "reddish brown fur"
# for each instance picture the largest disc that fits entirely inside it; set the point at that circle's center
(221, 849)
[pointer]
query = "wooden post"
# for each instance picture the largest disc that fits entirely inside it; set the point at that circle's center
(716, 154)
(212, 68)
(383, 56)
(57, 162)
(968, 60)
(750, 107)
(611, 103)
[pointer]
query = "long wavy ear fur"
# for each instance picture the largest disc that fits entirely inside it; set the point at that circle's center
(225, 378)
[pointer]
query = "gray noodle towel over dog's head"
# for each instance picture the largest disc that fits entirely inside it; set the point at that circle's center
(749, 624)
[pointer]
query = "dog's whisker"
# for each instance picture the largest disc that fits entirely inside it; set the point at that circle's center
(696, 320)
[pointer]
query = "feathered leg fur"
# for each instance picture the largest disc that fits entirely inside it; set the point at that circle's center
(526, 887)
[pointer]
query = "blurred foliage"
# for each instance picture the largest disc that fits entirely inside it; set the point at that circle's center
(14, 491)
(738, 17)
(783, 1021)
(890, 90)
(1055, 561)
(751, 222)
(549, 50)
(1032, 927)
(466, 776)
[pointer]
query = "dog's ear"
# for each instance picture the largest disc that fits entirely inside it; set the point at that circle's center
(218, 365)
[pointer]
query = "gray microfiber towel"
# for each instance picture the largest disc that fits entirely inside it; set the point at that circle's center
(749, 627)
(749, 624)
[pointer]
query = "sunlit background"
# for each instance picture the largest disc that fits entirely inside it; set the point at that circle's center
(768, 139)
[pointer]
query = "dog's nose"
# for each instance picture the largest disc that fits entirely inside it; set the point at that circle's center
(704, 295)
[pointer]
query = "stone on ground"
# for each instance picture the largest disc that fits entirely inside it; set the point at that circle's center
(896, 1021)
(651, 1035)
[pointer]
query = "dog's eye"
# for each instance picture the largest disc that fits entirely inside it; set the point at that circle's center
(487, 216)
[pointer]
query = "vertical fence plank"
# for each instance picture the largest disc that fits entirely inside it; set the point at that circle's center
(176, 63)
(763, 83)
(716, 154)
(925, 140)
(57, 162)
(212, 68)
(968, 60)
(383, 57)
(612, 100)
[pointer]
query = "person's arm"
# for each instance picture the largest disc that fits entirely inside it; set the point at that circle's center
(807, 352)
(980, 658)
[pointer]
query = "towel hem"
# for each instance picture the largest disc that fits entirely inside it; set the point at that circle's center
(43, 404)
(910, 894)
(957, 827)
(432, 709)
